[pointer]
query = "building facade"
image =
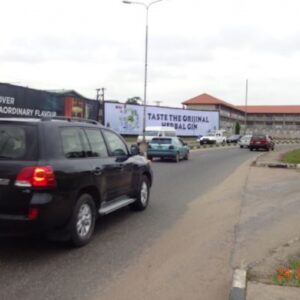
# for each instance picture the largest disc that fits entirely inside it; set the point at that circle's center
(282, 121)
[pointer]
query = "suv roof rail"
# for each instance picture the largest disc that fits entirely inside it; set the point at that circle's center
(70, 119)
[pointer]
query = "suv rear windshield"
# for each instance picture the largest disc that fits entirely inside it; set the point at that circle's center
(18, 142)
(161, 141)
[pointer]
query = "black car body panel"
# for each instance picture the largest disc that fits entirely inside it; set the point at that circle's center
(75, 170)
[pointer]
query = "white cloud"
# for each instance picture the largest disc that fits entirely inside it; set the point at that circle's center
(194, 47)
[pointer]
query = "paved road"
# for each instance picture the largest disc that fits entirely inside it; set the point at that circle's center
(43, 270)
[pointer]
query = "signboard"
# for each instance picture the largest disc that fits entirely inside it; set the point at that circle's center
(17, 101)
(128, 119)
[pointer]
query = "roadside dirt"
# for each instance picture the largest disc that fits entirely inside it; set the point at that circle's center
(192, 260)
(269, 214)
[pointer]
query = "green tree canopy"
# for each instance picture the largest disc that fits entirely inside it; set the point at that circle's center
(237, 128)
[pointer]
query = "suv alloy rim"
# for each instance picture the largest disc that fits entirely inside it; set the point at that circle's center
(144, 193)
(84, 221)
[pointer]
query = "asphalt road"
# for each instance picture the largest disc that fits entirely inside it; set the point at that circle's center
(45, 270)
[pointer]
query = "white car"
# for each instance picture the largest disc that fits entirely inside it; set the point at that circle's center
(216, 137)
(245, 141)
(156, 131)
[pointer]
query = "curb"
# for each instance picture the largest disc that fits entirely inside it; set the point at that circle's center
(239, 285)
(278, 165)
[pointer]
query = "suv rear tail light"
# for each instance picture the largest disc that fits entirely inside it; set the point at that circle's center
(33, 213)
(41, 176)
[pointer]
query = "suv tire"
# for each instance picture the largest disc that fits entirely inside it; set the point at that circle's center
(82, 223)
(142, 200)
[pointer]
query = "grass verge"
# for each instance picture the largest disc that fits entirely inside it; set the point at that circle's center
(292, 157)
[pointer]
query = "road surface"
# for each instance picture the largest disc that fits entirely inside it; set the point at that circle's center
(45, 270)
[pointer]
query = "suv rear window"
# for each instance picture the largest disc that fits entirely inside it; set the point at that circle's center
(18, 142)
(161, 141)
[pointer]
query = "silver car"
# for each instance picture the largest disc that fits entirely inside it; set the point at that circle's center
(245, 141)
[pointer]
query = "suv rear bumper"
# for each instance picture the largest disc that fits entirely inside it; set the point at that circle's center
(260, 147)
(52, 214)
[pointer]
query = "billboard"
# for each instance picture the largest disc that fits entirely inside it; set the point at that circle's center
(128, 119)
(17, 101)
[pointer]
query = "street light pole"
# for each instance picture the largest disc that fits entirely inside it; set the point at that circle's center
(246, 106)
(147, 6)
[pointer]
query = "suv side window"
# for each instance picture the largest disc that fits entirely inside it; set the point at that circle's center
(72, 142)
(97, 143)
(115, 144)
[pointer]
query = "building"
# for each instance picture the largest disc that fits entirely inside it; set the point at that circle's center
(277, 120)
(18, 101)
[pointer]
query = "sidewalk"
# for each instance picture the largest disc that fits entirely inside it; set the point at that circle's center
(269, 219)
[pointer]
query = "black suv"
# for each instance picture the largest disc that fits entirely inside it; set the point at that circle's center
(58, 175)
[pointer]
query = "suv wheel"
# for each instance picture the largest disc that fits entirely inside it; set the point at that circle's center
(186, 157)
(82, 223)
(142, 200)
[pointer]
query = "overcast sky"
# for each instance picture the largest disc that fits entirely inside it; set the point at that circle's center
(195, 47)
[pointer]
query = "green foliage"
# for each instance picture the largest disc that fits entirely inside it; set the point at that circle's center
(237, 128)
(292, 157)
(288, 275)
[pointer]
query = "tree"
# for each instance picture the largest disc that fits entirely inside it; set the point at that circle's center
(134, 100)
(237, 128)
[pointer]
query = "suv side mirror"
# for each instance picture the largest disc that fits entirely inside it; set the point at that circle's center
(134, 150)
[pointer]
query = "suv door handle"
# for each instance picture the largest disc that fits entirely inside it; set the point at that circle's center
(97, 171)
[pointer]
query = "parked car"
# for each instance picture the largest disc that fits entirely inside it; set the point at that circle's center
(215, 137)
(245, 141)
(171, 147)
(58, 176)
(234, 138)
(156, 131)
(261, 142)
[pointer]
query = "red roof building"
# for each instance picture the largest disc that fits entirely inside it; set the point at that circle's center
(273, 119)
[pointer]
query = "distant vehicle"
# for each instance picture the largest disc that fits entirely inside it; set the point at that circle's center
(156, 131)
(59, 175)
(262, 141)
(199, 137)
(234, 138)
(215, 137)
(245, 141)
(168, 147)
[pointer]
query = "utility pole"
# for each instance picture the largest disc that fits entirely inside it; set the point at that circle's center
(100, 98)
(246, 106)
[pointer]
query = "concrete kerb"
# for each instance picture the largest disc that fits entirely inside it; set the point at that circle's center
(212, 146)
(277, 165)
(239, 285)
(273, 164)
